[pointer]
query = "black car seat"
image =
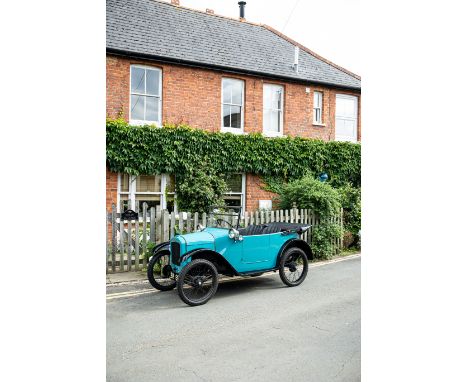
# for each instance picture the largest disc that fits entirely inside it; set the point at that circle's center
(252, 230)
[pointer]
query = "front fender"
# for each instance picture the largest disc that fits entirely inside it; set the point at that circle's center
(160, 247)
(221, 264)
(294, 243)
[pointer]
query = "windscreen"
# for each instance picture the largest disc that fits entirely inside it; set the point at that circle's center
(223, 216)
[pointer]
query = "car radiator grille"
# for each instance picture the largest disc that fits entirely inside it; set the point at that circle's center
(175, 253)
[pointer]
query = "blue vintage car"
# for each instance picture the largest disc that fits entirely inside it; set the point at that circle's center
(194, 261)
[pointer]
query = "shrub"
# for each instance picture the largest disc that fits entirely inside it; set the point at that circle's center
(310, 193)
(200, 189)
(323, 236)
(351, 201)
(325, 201)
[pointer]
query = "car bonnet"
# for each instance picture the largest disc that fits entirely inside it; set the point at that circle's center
(197, 238)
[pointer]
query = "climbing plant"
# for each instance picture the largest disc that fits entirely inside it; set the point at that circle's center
(180, 149)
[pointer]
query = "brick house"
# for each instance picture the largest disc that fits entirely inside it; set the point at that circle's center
(168, 63)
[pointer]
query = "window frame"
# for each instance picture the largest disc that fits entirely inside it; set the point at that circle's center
(273, 133)
(343, 138)
(139, 122)
(242, 106)
(314, 107)
(242, 193)
(132, 192)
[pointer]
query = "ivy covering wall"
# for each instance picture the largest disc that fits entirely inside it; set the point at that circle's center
(181, 150)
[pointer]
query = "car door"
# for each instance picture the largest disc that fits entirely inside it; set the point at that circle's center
(256, 249)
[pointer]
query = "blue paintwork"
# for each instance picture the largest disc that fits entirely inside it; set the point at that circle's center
(254, 253)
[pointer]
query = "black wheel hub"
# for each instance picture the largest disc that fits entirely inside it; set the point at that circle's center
(198, 281)
(292, 267)
(166, 271)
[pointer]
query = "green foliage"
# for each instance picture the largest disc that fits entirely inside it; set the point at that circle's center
(351, 202)
(323, 236)
(199, 189)
(310, 193)
(180, 150)
(149, 247)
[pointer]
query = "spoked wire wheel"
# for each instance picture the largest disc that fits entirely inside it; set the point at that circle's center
(160, 273)
(293, 266)
(197, 282)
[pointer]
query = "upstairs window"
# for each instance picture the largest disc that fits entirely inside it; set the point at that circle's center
(273, 110)
(232, 105)
(318, 107)
(145, 95)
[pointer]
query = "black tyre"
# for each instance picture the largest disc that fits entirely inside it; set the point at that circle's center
(293, 266)
(160, 273)
(197, 282)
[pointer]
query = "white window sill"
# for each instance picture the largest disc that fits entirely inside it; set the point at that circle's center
(232, 130)
(142, 123)
(343, 138)
(319, 124)
(271, 134)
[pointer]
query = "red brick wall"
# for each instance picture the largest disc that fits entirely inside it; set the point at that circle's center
(193, 96)
(254, 192)
(111, 189)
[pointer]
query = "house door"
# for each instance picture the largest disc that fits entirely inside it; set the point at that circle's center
(346, 118)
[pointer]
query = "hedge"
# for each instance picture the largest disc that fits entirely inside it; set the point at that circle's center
(181, 149)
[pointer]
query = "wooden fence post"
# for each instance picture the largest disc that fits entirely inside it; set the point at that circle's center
(195, 221)
(152, 227)
(113, 236)
(122, 247)
(204, 219)
(172, 225)
(144, 244)
(137, 244)
(158, 226)
(189, 222)
(181, 223)
(165, 225)
(129, 240)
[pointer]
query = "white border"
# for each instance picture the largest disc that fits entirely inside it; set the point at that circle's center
(138, 122)
(345, 138)
(273, 133)
(232, 129)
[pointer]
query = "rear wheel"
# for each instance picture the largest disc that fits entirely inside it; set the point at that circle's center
(160, 273)
(293, 266)
(197, 282)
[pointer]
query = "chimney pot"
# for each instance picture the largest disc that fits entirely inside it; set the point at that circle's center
(242, 10)
(175, 2)
(210, 11)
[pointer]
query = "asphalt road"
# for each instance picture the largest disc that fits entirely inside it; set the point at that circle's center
(253, 329)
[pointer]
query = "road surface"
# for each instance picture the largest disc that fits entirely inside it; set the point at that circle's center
(253, 329)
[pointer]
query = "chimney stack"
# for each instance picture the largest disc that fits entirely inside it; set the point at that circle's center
(296, 59)
(242, 10)
(175, 2)
(210, 11)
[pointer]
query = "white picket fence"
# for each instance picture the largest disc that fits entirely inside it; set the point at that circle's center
(127, 242)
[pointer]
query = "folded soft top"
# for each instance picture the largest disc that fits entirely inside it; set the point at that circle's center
(269, 228)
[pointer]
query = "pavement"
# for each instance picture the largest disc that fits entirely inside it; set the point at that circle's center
(253, 329)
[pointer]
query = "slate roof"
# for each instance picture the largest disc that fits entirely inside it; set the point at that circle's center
(161, 30)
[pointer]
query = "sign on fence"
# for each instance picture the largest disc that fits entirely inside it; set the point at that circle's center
(133, 232)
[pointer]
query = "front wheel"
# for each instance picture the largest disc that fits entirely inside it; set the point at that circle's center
(293, 266)
(197, 282)
(160, 273)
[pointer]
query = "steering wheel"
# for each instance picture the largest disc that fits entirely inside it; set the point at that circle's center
(220, 222)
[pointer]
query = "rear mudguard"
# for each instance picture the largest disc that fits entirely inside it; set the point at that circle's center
(294, 243)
